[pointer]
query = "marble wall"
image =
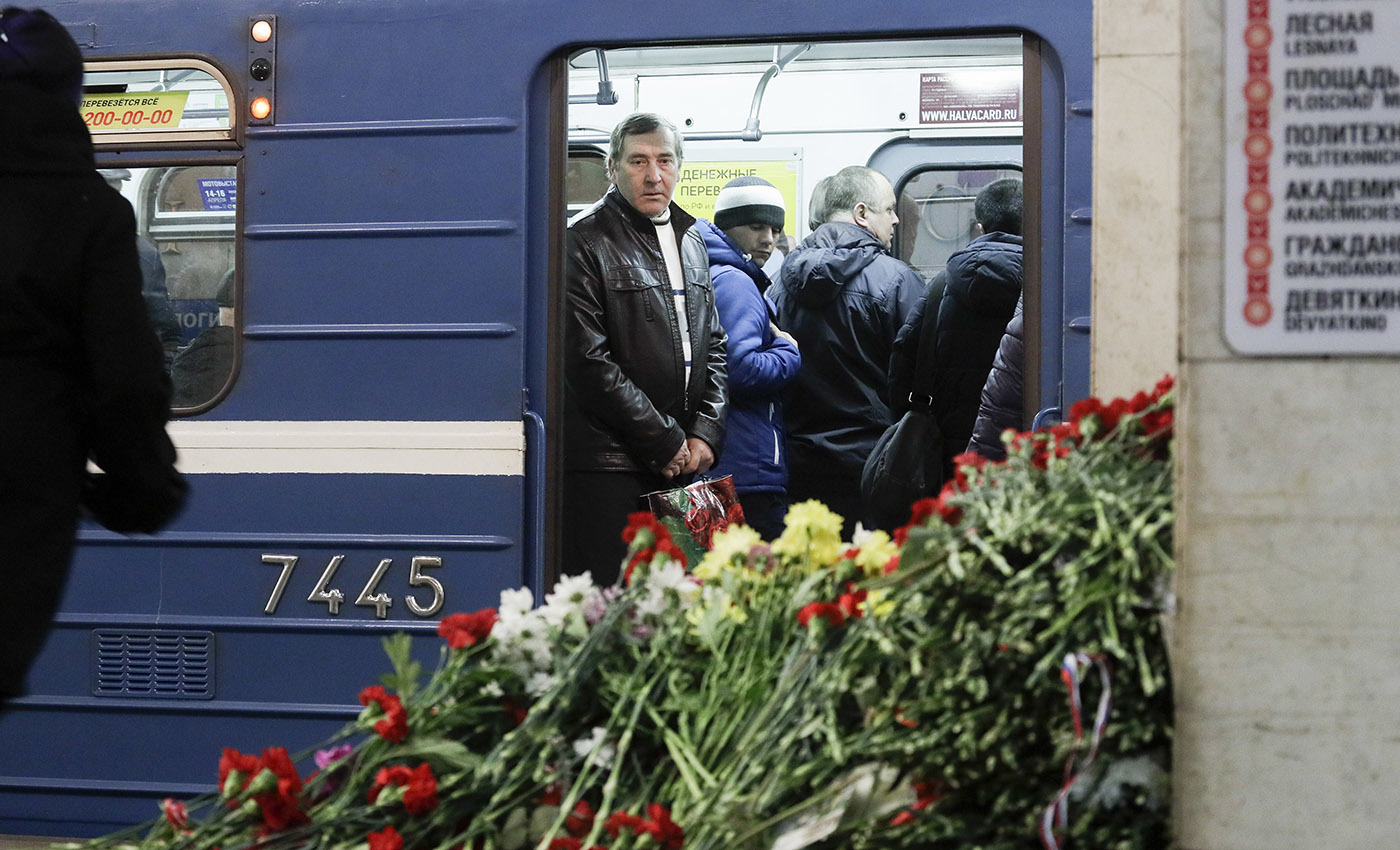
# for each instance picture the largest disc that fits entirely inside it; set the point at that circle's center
(1137, 193)
(1287, 637)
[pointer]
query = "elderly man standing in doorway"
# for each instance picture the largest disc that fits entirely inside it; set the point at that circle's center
(843, 297)
(644, 375)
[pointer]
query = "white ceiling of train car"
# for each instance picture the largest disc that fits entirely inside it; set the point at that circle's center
(697, 58)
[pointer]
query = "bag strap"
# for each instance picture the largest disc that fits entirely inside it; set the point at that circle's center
(921, 387)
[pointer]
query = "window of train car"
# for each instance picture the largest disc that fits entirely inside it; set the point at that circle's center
(936, 214)
(812, 107)
(585, 178)
(156, 101)
(164, 134)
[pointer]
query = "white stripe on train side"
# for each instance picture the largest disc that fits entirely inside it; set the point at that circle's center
(407, 448)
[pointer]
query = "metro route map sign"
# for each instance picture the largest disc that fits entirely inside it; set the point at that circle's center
(1312, 177)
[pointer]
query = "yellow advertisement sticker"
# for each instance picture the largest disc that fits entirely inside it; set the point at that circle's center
(146, 110)
(700, 182)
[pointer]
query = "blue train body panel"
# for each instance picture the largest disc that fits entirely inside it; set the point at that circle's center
(397, 240)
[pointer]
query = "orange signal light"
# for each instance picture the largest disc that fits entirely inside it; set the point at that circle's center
(260, 108)
(262, 31)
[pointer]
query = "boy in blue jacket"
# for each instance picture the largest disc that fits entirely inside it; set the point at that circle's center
(763, 360)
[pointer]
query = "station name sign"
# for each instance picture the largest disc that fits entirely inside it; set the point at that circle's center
(1312, 177)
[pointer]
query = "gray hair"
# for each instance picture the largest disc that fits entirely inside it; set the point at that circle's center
(816, 207)
(854, 184)
(639, 124)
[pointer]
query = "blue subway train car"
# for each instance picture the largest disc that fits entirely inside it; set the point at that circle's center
(358, 207)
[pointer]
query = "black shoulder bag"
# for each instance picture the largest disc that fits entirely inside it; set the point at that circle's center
(907, 462)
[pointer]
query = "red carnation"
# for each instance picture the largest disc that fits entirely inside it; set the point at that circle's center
(394, 726)
(1158, 423)
(419, 784)
(552, 796)
(281, 808)
(421, 795)
(635, 523)
(830, 610)
(464, 630)
(849, 602)
(387, 838)
(175, 813)
(618, 821)
(1083, 408)
(660, 827)
(233, 761)
(393, 775)
(581, 820)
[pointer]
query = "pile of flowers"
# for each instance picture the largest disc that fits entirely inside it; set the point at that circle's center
(991, 675)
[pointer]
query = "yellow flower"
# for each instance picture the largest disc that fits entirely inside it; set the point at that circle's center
(728, 548)
(813, 532)
(715, 605)
(876, 549)
(877, 605)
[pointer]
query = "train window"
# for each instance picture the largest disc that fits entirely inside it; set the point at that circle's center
(936, 214)
(745, 107)
(186, 206)
(185, 229)
(585, 178)
(160, 100)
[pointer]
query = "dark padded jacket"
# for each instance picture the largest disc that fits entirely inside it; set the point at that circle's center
(843, 298)
(760, 365)
(1001, 405)
(983, 284)
(627, 405)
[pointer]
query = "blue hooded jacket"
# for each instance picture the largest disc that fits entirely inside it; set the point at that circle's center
(760, 365)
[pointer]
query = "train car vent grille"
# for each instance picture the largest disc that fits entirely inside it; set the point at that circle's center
(153, 664)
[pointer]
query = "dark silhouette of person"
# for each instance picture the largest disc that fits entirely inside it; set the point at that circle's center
(201, 368)
(82, 376)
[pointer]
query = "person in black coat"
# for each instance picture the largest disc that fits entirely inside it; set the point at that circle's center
(843, 297)
(1001, 406)
(981, 287)
(200, 369)
(81, 372)
(645, 381)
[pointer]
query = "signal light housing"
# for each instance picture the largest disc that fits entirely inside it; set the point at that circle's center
(262, 69)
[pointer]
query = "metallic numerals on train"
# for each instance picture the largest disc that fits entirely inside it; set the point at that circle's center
(326, 593)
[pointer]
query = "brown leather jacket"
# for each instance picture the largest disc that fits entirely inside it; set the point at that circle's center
(627, 406)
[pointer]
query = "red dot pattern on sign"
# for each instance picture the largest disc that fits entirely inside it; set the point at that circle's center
(1258, 36)
(1257, 310)
(1258, 202)
(1257, 256)
(1258, 146)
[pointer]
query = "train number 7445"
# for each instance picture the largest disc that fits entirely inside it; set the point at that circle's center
(370, 595)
